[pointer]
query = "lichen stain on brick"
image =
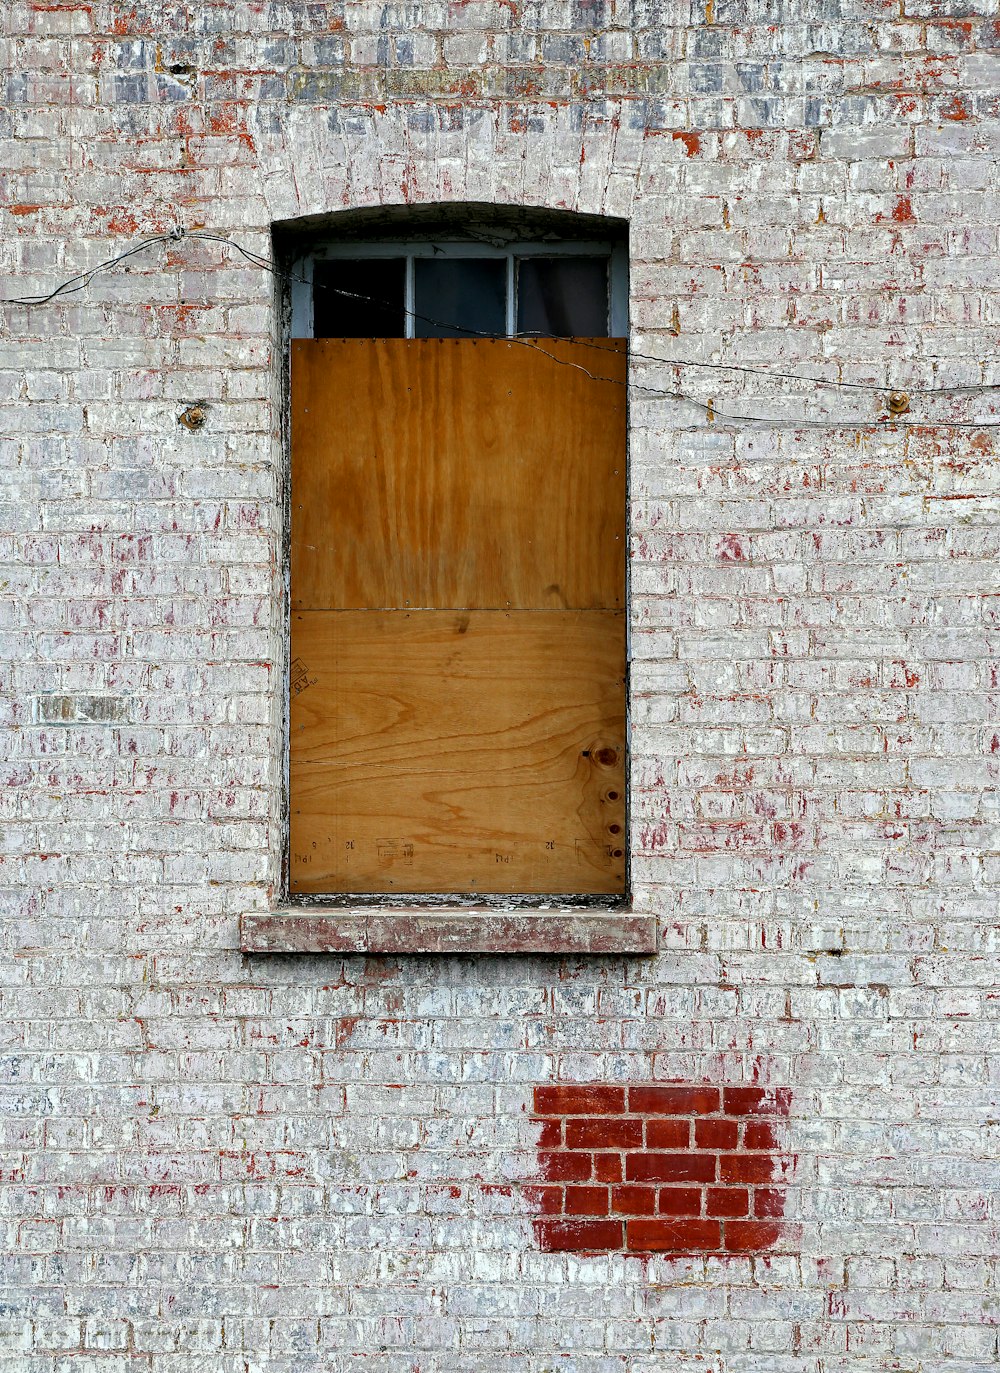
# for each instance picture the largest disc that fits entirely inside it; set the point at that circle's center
(670, 1168)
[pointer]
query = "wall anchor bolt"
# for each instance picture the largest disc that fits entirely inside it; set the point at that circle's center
(194, 417)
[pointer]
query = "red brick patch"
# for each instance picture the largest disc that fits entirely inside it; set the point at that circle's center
(646, 1169)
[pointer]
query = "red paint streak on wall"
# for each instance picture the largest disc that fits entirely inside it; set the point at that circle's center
(651, 1168)
(730, 549)
(132, 23)
(691, 141)
(956, 109)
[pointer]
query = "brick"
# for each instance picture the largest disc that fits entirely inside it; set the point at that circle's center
(603, 1133)
(674, 1101)
(551, 1134)
(762, 1136)
(587, 1201)
(562, 1166)
(633, 1201)
(586, 1101)
(89, 710)
(673, 1236)
(750, 1236)
(578, 1236)
(746, 1168)
(679, 1167)
(716, 1134)
(548, 1201)
(769, 1201)
(728, 1201)
(679, 1201)
(757, 1101)
(668, 1134)
(608, 1167)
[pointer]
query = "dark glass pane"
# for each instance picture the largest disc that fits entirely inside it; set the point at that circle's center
(459, 296)
(563, 297)
(373, 303)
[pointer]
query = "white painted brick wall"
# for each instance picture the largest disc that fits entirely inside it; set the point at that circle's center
(294, 1164)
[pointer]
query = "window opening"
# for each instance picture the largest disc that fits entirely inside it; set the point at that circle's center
(462, 290)
(563, 297)
(360, 297)
(457, 713)
(459, 297)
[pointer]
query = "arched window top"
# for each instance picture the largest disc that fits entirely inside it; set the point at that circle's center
(457, 271)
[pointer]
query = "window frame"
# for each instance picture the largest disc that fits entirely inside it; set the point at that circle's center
(303, 273)
(449, 925)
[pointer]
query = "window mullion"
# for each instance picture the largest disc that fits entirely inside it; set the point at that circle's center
(511, 297)
(408, 302)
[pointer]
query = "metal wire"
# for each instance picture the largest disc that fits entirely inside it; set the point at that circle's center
(712, 411)
(83, 279)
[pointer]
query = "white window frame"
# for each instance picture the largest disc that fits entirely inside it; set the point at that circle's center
(617, 255)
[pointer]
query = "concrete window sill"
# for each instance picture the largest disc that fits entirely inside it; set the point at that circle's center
(427, 929)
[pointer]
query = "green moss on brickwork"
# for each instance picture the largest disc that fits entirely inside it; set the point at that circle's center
(333, 87)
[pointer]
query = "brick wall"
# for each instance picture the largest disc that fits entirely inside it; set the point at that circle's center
(652, 1168)
(310, 1163)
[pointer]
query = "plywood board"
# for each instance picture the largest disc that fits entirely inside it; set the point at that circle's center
(458, 473)
(478, 751)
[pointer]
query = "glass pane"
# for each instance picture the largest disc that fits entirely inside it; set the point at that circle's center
(460, 296)
(360, 298)
(563, 297)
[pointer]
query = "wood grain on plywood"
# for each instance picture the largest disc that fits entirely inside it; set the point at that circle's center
(466, 473)
(478, 751)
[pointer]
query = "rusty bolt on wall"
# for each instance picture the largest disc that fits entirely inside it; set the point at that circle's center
(899, 403)
(194, 416)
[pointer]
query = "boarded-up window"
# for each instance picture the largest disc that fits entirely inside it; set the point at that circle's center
(457, 715)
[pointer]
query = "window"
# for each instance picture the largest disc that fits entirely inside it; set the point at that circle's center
(458, 675)
(461, 290)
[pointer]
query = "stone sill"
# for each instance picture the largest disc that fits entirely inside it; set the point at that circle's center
(426, 929)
